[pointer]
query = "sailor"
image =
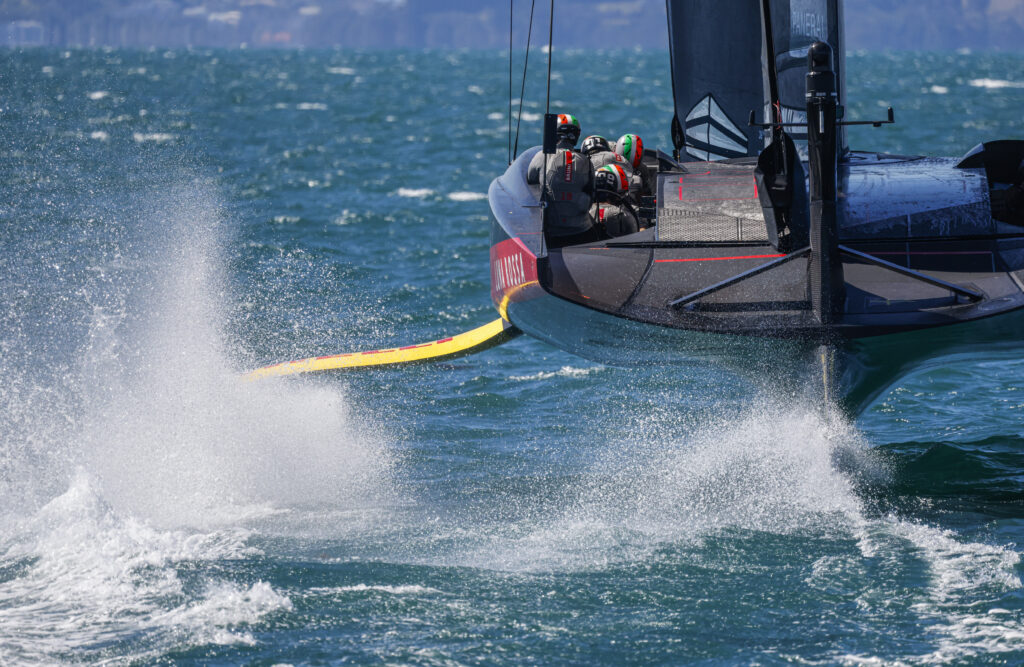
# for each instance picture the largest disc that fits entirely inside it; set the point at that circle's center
(568, 129)
(631, 148)
(601, 153)
(570, 187)
(612, 211)
(595, 144)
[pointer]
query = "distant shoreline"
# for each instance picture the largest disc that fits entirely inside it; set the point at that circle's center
(874, 25)
(858, 52)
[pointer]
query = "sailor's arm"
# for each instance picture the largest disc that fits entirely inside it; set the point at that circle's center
(533, 172)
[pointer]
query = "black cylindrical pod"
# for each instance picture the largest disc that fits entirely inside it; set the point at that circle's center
(826, 271)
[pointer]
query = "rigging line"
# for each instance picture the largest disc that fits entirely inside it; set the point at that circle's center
(551, 34)
(770, 60)
(522, 93)
(511, 21)
(547, 104)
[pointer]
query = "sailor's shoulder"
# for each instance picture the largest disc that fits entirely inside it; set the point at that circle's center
(616, 159)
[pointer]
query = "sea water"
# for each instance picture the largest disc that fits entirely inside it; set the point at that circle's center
(173, 218)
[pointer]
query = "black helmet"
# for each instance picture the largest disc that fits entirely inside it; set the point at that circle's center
(611, 179)
(596, 144)
(569, 128)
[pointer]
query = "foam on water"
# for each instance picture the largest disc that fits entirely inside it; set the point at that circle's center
(966, 582)
(772, 470)
(154, 137)
(150, 452)
(996, 84)
(87, 575)
(742, 472)
(467, 196)
(415, 193)
(565, 371)
(367, 588)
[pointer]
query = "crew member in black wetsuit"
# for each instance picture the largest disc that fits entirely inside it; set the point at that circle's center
(601, 154)
(612, 211)
(631, 148)
(570, 188)
(595, 144)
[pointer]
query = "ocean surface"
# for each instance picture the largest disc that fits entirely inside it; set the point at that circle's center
(173, 218)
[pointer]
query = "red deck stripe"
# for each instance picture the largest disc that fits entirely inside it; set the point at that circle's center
(710, 184)
(717, 259)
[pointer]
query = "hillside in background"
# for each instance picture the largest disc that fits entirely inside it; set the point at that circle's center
(935, 24)
(871, 24)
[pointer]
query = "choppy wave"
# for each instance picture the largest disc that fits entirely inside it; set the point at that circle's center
(88, 577)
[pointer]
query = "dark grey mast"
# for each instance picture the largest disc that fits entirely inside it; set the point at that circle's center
(795, 26)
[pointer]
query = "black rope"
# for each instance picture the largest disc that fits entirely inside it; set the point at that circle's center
(522, 93)
(511, 20)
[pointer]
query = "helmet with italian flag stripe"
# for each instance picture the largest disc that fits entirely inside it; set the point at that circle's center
(631, 148)
(611, 178)
(569, 128)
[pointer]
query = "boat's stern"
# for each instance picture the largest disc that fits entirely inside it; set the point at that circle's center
(517, 236)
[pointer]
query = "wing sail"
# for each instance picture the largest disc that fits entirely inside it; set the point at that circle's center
(715, 47)
(721, 72)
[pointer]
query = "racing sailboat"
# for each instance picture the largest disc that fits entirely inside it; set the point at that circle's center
(775, 250)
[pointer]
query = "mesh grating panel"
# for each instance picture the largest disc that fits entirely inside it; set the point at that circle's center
(694, 226)
(713, 202)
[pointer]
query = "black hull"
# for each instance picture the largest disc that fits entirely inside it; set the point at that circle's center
(610, 302)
